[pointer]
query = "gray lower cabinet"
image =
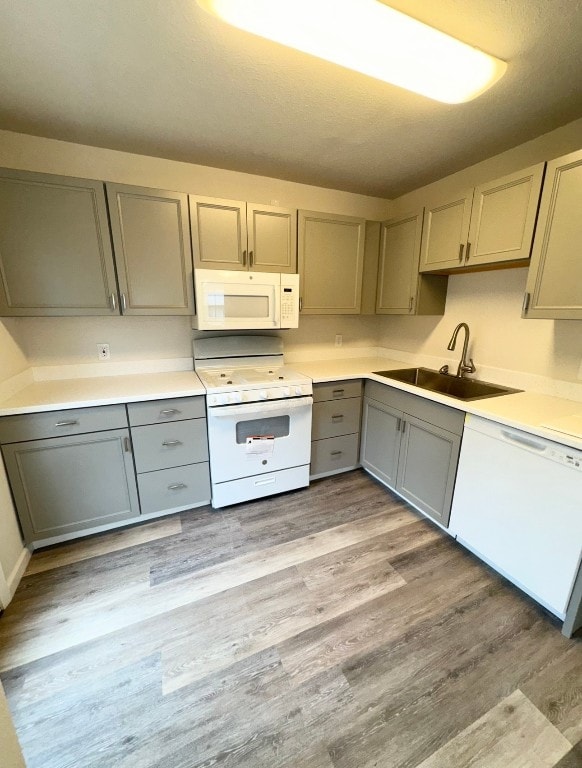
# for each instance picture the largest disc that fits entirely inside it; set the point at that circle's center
(335, 429)
(170, 445)
(67, 484)
(412, 445)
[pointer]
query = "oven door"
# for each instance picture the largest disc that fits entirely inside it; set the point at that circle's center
(251, 439)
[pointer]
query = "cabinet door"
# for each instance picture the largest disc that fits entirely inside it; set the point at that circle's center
(68, 484)
(152, 250)
(398, 264)
(272, 238)
(219, 233)
(554, 284)
(503, 218)
(427, 467)
(380, 440)
(55, 249)
(331, 263)
(445, 232)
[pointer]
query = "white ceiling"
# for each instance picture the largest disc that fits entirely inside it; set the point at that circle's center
(163, 78)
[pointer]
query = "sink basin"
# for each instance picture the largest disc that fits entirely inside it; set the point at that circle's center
(453, 386)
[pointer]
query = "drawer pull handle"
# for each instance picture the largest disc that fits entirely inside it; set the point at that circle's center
(337, 417)
(267, 481)
(170, 443)
(126, 445)
(177, 486)
(336, 453)
(70, 423)
(170, 412)
(337, 392)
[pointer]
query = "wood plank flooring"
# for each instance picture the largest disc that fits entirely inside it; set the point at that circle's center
(331, 627)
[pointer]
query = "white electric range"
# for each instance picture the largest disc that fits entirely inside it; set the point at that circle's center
(259, 417)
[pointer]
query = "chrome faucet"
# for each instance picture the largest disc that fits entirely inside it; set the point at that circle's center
(464, 366)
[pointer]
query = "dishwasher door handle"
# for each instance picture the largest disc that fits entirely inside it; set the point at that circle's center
(524, 442)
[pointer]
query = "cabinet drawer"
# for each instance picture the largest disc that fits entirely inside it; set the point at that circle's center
(160, 446)
(75, 421)
(174, 488)
(331, 419)
(160, 411)
(337, 390)
(335, 454)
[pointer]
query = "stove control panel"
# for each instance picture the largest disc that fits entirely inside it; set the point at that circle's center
(258, 395)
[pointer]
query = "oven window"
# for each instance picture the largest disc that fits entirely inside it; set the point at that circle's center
(275, 426)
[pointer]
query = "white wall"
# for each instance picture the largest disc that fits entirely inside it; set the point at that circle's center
(491, 301)
(9, 746)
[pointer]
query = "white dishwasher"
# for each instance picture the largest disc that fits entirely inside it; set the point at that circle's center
(518, 506)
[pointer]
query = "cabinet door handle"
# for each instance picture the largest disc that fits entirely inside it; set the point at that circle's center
(250, 258)
(71, 423)
(244, 257)
(126, 445)
(461, 251)
(336, 453)
(337, 392)
(398, 424)
(411, 304)
(169, 443)
(300, 303)
(525, 305)
(123, 302)
(403, 426)
(112, 302)
(337, 417)
(170, 412)
(177, 486)
(468, 251)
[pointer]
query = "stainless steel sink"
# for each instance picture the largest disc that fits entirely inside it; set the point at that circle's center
(453, 386)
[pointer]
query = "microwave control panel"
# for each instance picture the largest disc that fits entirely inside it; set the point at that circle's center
(289, 301)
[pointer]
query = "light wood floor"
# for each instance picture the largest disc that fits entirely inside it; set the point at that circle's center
(331, 627)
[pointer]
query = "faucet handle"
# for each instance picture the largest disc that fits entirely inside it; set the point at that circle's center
(470, 366)
(444, 369)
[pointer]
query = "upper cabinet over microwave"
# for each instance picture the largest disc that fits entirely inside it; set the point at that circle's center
(491, 224)
(234, 235)
(56, 256)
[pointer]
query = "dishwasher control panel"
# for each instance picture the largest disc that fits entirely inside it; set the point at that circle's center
(569, 458)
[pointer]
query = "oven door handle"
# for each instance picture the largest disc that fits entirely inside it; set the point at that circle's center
(282, 407)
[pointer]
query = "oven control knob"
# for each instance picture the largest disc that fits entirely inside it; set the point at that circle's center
(263, 394)
(298, 391)
(234, 397)
(286, 391)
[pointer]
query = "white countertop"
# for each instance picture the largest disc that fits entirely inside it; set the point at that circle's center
(522, 410)
(105, 390)
(525, 410)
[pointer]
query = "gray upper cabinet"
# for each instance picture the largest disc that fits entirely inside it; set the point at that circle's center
(331, 263)
(231, 234)
(55, 249)
(445, 231)
(152, 250)
(554, 284)
(400, 289)
(503, 218)
(492, 224)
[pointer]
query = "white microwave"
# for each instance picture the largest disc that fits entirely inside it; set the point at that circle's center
(227, 300)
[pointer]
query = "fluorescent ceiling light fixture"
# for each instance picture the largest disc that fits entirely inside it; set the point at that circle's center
(369, 37)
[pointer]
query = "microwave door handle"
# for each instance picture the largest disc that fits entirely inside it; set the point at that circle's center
(258, 409)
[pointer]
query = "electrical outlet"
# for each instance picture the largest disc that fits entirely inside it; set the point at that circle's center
(339, 339)
(103, 351)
